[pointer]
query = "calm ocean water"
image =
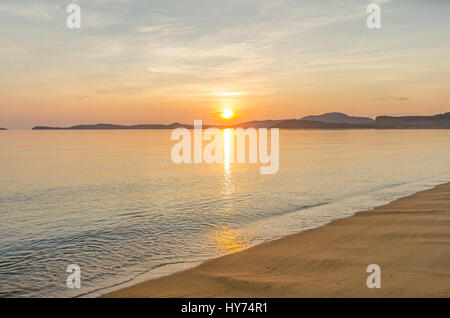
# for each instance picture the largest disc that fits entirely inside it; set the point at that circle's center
(113, 202)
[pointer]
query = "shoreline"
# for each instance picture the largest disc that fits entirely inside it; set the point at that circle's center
(328, 261)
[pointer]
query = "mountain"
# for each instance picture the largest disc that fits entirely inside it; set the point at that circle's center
(339, 118)
(436, 121)
(325, 121)
(257, 124)
(310, 124)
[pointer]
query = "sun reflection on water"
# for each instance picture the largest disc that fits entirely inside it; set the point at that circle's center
(228, 153)
(229, 241)
(227, 150)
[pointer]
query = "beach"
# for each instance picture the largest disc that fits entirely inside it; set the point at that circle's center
(408, 238)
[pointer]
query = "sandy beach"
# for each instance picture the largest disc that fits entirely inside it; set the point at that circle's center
(408, 238)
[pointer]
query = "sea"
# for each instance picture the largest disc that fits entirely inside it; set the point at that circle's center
(114, 203)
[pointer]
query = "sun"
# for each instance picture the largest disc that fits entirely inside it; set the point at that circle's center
(227, 113)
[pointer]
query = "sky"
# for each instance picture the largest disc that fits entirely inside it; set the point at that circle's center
(141, 61)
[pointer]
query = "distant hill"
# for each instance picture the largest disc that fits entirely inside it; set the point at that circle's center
(254, 123)
(436, 121)
(327, 121)
(310, 124)
(340, 118)
(110, 126)
(257, 124)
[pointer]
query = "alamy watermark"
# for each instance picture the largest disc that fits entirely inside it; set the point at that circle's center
(221, 147)
(74, 279)
(74, 19)
(374, 279)
(374, 19)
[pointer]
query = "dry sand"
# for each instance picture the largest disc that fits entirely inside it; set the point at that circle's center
(408, 238)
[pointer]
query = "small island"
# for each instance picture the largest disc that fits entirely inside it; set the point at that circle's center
(3, 129)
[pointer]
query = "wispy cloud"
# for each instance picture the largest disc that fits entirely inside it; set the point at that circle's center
(34, 11)
(387, 97)
(166, 29)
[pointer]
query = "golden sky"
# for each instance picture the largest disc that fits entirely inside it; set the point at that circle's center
(164, 61)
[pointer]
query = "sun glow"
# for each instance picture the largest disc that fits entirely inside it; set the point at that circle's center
(227, 113)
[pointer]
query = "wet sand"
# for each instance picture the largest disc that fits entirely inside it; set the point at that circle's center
(408, 238)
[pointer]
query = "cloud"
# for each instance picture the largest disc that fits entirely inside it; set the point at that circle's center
(379, 1)
(387, 97)
(166, 30)
(28, 11)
